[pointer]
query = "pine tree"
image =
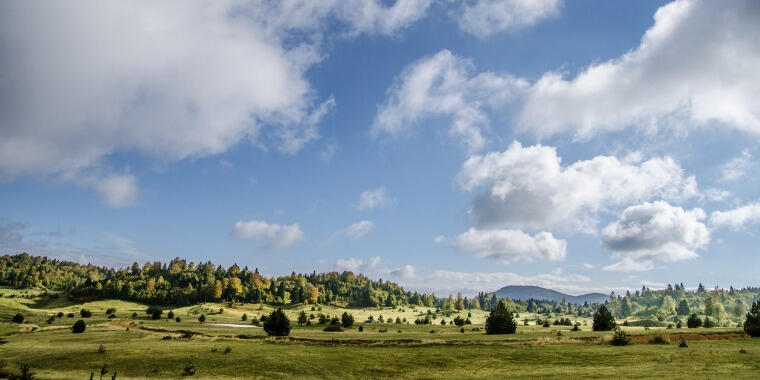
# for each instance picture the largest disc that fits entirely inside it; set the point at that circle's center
(683, 308)
(603, 320)
(694, 321)
(752, 324)
(347, 320)
(500, 320)
(78, 327)
(302, 318)
(277, 324)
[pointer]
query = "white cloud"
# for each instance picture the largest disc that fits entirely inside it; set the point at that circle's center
(275, 235)
(439, 239)
(372, 199)
(443, 85)
(484, 18)
(693, 68)
(444, 282)
(117, 190)
(695, 65)
(169, 80)
(736, 167)
(736, 218)
(511, 245)
(356, 265)
(355, 230)
(405, 272)
(654, 231)
(717, 195)
(527, 187)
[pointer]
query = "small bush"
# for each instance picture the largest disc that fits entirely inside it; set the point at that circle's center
(333, 328)
(619, 338)
(18, 318)
(361, 328)
(202, 318)
(244, 317)
(110, 310)
(51, 319)
(26, 373)
(742, 351)
(694, 321)
(227, 350)
(134, 315)
(189, 370)
(170, 314)
(708, 323)
(85, 313)
(111, 315)
(432, 331)
(167, 337)
(79, 327)
(70, 315)
(576, 328)
(101, 349)
(178, 319)
(683, 344)
(60, 314)
(659, 339)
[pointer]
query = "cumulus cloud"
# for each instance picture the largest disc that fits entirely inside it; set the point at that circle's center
(527, 187)
(736, 218)
(654, 231)
(405, 272)
(274, 235)
(736, 167)
(372, 199)
(484, 18)
(355, 230)
(444, 85)
(511, 245)
(686, 72)
(169, 80)
(356, 265)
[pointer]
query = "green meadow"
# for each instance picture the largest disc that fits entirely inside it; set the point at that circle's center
(227, 347)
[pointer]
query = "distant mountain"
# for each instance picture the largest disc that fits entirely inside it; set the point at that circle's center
(523, 292)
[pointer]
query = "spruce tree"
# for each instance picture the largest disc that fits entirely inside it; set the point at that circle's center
(277, 324)
(78, 327)
(694, 321)
(683, 308)
(603, 320)
(347, 320)
(500, 320)
(302, 318)
(752, 324)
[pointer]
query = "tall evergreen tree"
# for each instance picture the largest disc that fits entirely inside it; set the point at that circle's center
(500, 320)
(603, 320)
(752, 324)
(277, 324)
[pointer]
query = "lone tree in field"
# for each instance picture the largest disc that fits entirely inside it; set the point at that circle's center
(18, 318)
(277, 323)
(603, 320)
(302, 318)
(202, 318)
(347, 320)
(752, 324)
(500, 320)
(78, 327)
(694, 321)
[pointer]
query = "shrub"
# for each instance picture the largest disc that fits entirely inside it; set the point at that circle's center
(603, 320)
(546, 323)
(500, 320)
(170, 314)
(694, 321)
(79, 327)
(708, 323)
(202, 318)
(333, 328)
(244, 317)
(443, 322)
(178, 319)
(51, 319)
(110, 310)
(752, 324)
(111, 315)
(227, 350)
(361, 328)
(26, 373)
(576, 328)
(134, 315)
(659, 339)
(277, 324)
(101, 349)
(70, 315)
(347, 320)
(18, 318)
(461, 330)
(323, 319)
(60, 314)
(619, 338)
(459, 321)
(156, 314)
(189, 370)
(742, 351)
(683, 344)
(85, 313)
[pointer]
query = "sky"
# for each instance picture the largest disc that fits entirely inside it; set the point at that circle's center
(444, 145)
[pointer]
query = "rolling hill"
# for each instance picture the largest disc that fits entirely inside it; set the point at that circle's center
(524, 292)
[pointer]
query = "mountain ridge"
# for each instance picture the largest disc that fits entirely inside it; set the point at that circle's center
(526, 292)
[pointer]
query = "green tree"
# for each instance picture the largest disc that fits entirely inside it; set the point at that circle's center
(302, 318)
(277, 324)
(347, 320)
(79, 327)
(694, 321)
(683, 308)
(603, 320)
(18, 318)
(202, 318)
(752, 324)
(500, 320)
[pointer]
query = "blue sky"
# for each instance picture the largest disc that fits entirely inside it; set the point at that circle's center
(445, 145)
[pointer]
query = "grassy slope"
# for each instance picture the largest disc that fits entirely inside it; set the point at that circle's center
(54, 352)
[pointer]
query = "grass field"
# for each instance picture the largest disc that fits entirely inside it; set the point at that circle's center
(139, 348)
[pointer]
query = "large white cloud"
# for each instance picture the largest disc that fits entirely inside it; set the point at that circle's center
(528, 187)
(483, 18)
(736, 218)
(274, 235)
(355, 230)
(406, 272)
(444, 85)
(654, 231)
(169, 79)
(695, 66)
(508, 246)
